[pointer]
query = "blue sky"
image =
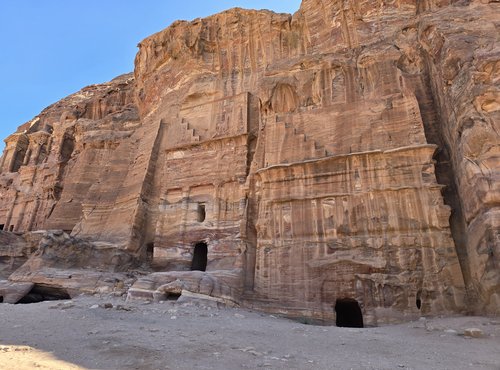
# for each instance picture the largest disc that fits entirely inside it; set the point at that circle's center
(52, 48)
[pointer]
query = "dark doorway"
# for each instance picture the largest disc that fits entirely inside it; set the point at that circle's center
(200, 257)
(173, 296)
(348, 313)
(1, 299)
(202, 213)
(2, 226)
(418, 300)
(41, 293)
(150, 250)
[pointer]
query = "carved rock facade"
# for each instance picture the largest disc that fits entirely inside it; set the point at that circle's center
(301, 160)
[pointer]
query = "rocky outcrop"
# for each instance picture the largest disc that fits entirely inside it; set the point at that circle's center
(11, 292)
(345, 155)
(14, 252)
(161, 286)
(78, 266)
(462, 61)
(50, 164)
(58, 249)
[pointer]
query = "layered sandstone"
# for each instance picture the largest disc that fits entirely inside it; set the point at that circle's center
(51, 163)
(14, 252)
(302, 160)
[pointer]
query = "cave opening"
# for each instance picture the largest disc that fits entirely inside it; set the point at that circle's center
(1, 299)
(200, 257)
(202, 213)
(2, 226)
(41, 293)
(150, 248)
(348, 313)
(173, 296)
(418, 300)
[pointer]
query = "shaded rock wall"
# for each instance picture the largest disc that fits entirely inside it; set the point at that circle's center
(60, 261)
(463, 63)
(347, 151)
(14, 252)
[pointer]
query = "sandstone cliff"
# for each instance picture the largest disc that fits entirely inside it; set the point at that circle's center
(347, 153)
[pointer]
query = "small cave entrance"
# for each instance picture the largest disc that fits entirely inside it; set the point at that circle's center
(41, 293)
(1, 299)
(202, 212)
(418, 300)
(348, 313)
(150, 249)
(2, 226)
(173, 296)
(200, 257)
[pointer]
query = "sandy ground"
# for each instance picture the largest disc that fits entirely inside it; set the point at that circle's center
(83, 334)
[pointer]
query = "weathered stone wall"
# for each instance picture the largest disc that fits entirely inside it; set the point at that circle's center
(347, 151)
(65, 151)
(203, 200)
(369, 226)
(463, 61)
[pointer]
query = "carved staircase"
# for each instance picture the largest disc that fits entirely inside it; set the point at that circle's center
(188, 135)
(288, 144)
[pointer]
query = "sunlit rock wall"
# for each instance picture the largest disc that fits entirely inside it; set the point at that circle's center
(347, 151)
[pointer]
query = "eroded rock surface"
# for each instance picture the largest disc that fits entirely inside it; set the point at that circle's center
(14, 252)
(78, 266)
(12, 292)
(161, 286)
(350, 151)
(51, 164)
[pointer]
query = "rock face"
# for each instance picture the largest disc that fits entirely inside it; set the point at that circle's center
(71, 265)
(348, 154)
(51, 164)
(14, 252)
